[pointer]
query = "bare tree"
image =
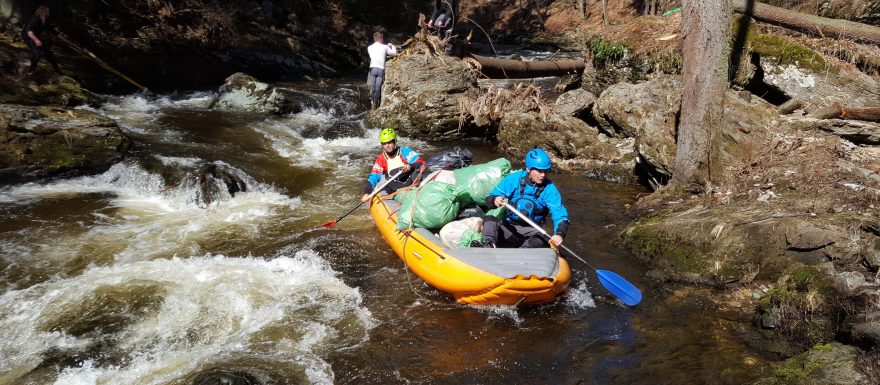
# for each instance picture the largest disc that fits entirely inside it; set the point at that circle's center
(605, 12)
(705, 27)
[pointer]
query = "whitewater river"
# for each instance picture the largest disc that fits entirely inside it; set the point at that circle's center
(131, 277)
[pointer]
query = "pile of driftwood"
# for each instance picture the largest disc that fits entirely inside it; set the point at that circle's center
(497, 102)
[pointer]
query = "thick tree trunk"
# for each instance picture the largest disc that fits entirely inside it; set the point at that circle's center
(705, 29)
(582, 9)
(513, 69)
(811, 24)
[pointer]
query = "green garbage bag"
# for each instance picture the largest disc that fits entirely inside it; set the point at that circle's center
(480, 179)
(430, 206)
(469, 236)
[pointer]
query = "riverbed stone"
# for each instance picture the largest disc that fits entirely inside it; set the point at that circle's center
(37, 142)
(244, 93)
(824, 364)
(421, 97)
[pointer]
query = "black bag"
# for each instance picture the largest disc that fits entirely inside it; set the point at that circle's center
(449, 160)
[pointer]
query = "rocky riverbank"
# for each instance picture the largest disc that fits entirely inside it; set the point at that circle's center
(789, 239)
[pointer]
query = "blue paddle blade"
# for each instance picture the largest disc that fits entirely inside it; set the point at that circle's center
(620, 287)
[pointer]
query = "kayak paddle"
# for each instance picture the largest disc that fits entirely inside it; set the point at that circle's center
(375, 191)
(618, 286)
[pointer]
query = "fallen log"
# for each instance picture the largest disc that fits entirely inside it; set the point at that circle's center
(811, 24)
(495, 68)
(870, 114)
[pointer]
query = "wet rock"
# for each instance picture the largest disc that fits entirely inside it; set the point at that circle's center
(242, 92)
(55, 90)
(421, 94)
(215, 182)
(771, 318)
(576, 103)
(37, 142)
(824, 364)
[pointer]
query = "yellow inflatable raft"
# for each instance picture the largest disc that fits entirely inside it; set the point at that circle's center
(501, 276)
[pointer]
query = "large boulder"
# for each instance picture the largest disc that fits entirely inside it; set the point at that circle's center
(56, 90)
(244, 93)
(421, 95)
(573, 144)
(43, 141)
(649, 112)
(850, 88)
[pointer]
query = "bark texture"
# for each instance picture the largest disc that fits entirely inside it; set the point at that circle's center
(811, 24)
(704, 74)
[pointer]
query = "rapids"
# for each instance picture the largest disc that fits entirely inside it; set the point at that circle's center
(133, 277)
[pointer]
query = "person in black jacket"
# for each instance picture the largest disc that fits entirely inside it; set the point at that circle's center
(443, 17)
(36, 35)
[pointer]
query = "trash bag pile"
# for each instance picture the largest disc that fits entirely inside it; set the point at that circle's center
(439, 200)
(449, 160)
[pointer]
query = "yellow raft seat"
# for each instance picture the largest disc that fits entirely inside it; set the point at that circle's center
(496, 276)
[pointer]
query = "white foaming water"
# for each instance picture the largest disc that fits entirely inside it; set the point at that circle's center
(188, 315)
(499, 312)
(579, 297)
(150, 219)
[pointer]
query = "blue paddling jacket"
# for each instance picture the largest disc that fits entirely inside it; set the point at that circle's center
(536, 201)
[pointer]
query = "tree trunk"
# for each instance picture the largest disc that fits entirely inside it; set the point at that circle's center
(605, 12)
(811, 24)
(582, 9)
(705, 29)
(514, 69)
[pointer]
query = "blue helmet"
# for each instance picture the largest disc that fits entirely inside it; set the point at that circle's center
(539, 159)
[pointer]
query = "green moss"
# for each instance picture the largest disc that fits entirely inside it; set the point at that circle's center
(604, 50)
(794, 369)
(783, 49)
(651, 246)
(67, 162)
(803, 277)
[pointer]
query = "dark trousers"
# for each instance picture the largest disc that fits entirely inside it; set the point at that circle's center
(506, 234)
(38, 53)
(404, 180)
(375, 80)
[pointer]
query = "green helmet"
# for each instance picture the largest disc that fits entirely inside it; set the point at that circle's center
(387, 135)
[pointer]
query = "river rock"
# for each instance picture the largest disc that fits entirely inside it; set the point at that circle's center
(573, 144)
(576, 103)
(853, 130)
(243, 92)
(421, 94)
(56, 90)
(824, 364)
(43, 141)
(850, 88)
(649, 112)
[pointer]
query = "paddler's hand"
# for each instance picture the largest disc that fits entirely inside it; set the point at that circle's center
(365, 198)
(500, 201)
(555, 240)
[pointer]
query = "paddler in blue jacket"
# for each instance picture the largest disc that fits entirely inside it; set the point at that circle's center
(533, 194)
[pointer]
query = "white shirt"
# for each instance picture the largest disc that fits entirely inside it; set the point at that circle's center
(378, 53)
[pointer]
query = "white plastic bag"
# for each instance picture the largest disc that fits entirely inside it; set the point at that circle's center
(451, 233)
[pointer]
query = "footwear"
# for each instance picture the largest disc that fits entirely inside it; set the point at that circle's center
(483, 244)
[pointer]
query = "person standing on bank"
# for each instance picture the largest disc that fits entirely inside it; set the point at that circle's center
(443, 16)
(36, 35)
(379, 52)
(533, 194)
(393, 158)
